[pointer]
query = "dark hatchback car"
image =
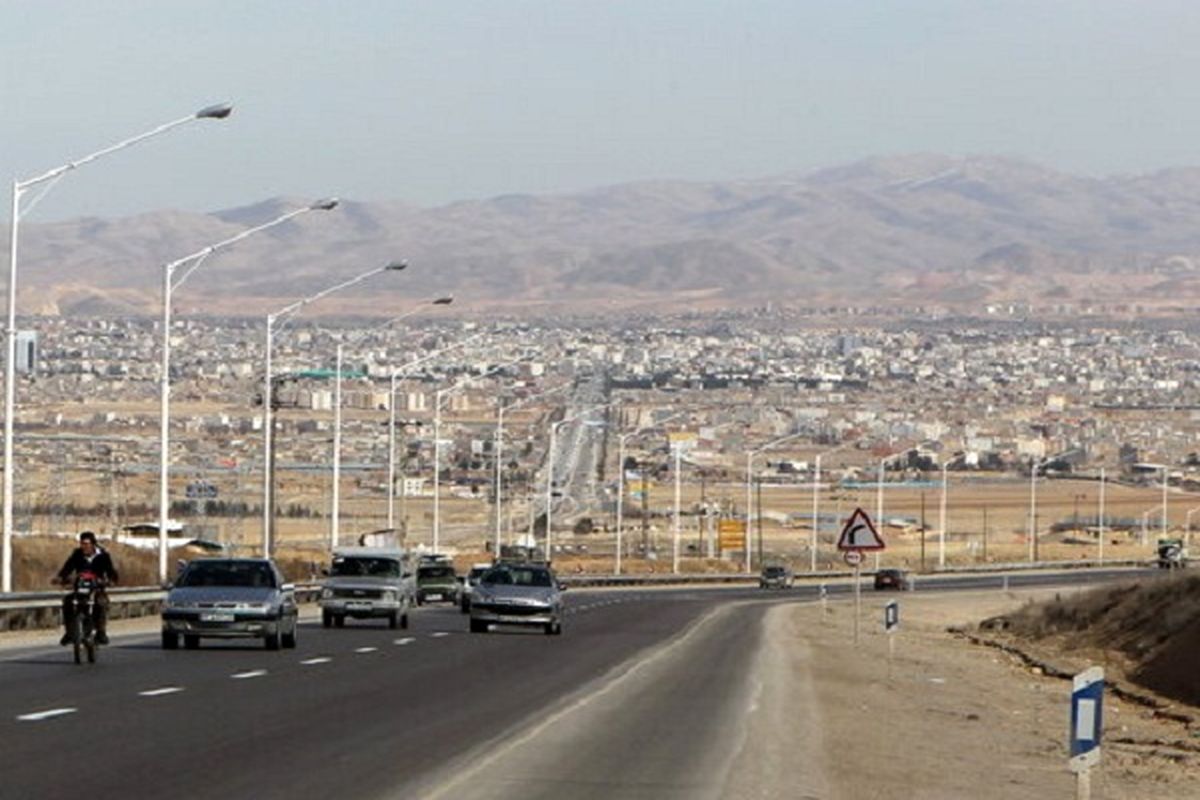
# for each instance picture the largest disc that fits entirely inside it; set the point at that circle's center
(891, 579)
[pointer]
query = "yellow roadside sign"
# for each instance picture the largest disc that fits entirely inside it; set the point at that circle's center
(732, 534)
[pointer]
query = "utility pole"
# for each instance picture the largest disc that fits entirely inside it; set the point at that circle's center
(645, 511)
(758, 500)
(922, 531)
(985, 533)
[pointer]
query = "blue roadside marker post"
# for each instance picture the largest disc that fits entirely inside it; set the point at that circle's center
(1087, 726)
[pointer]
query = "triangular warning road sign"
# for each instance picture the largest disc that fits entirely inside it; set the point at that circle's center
(860, 534)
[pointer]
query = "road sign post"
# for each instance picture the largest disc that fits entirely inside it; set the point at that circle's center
(858, 535)
(891, 624)
(1087, 725)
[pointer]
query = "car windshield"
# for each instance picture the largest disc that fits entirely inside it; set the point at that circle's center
(435, 572)
(228, 573)
(773, 572)
(365, 567)
(519, 577)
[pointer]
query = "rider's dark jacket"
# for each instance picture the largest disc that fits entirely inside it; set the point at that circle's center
(101, 564)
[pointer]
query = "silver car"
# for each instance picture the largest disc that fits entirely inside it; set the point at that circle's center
(230, 598)
(364, 583)
(517, 594)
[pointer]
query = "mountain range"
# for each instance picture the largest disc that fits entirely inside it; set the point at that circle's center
(910, 230)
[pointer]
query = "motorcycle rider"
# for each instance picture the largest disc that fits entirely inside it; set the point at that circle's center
(88, 557)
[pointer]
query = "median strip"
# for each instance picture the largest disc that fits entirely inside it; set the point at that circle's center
(42, 715)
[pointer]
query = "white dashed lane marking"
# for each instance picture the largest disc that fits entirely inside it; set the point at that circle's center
(406, 640)
(161, 692)
(365, 649)
(50, 714)
(254, 673)
(318, 660)
(438, 635)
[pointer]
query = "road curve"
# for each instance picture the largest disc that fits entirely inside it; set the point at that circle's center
(365, 712)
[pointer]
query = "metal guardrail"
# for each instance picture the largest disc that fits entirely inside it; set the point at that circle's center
(29, 610)
(668, 579)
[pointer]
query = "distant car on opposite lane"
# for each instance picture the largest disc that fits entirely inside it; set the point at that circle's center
(775, 577)
(891, 579)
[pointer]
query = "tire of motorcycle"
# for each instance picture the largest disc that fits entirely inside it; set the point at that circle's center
(77, 639)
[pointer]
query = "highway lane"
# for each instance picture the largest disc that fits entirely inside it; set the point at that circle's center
(363, 722)
(361, 711)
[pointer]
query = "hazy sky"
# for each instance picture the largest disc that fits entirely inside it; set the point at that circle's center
(429, 102)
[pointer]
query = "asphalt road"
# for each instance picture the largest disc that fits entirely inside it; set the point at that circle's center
(365, 712)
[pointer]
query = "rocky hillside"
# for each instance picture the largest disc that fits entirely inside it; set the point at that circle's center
(915, 229)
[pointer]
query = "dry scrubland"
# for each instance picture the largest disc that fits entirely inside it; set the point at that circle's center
(952, 720)
(1146, 631)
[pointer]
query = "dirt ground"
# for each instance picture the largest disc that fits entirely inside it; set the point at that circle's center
(957, 720)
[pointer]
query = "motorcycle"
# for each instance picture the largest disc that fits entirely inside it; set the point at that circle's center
(83, 623)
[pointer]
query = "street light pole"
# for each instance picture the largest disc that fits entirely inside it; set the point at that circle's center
(1100, 521)
(437, 441)
(554, 426)
(268, 417)
(750, 454)
(335, 501)
(675, 547)
(170, 285)
(396, 374)
(50, 177)
(498, 450)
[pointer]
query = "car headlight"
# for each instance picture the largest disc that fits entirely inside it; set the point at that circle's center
(254, 606)
(326, 593)
(390, 596)
(480, 596)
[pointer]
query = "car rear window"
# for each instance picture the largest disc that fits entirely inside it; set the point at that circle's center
(435, 572)
(228, 573)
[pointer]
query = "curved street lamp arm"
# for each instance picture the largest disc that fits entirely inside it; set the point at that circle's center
(204, 253)
(208, 113)
(292, 308)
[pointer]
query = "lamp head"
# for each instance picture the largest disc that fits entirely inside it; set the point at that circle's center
(219, 111)
(328, 204)
(444, 301)
(395, 266)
